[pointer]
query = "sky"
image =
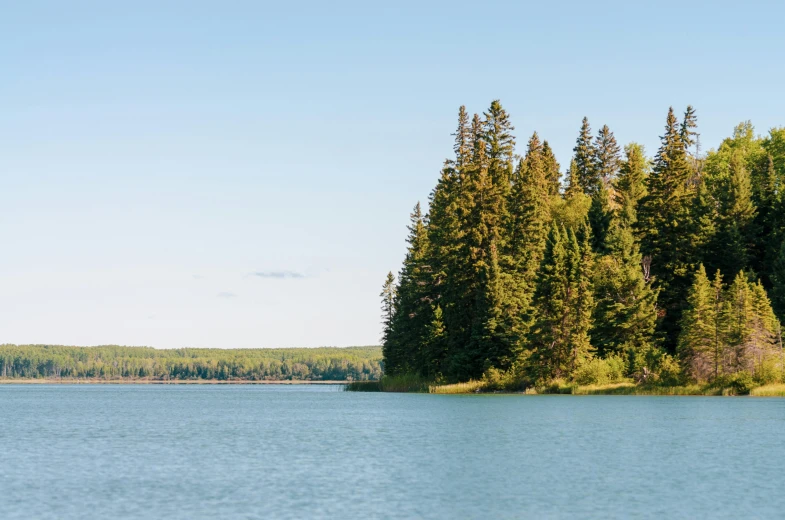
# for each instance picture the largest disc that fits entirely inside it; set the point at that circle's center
(240, 174)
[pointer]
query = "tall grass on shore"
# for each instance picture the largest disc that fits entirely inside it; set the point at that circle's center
(773, 390)
(471, 387)
(407, 383)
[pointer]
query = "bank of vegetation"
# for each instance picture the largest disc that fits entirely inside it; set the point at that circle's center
(651, 274)
(189, 364)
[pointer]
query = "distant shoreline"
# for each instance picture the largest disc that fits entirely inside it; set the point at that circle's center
(94, 381)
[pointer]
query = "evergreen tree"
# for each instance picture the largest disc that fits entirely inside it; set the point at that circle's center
(730, 249)
(626, 311)
(529, 220)
(560, 335)
(390, 351)
(630, 186)
(584, 173)
(600, 216)
(606, 169)
(388, 306)
(607, 157)
(414, 312)
(552, 170)
(668, 235)
(698, 342)
(436, 348)
(778, 283)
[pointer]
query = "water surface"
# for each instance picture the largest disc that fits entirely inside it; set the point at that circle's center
(192, 452)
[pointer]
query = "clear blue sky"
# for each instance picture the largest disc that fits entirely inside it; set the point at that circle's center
(240, 174)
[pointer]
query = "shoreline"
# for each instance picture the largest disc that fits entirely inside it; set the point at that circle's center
(98, 381)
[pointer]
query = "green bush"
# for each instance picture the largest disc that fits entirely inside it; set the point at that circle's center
(739, 383)
(769, 371)
(495, 380)
(599, 371)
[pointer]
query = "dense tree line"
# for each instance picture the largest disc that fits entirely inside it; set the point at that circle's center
(519, 270)
(112, 362)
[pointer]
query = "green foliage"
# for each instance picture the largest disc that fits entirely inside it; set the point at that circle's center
(190, 364)
(729, 330)
(510, 281)
(666, 221)
(564, 300)
(598, 371)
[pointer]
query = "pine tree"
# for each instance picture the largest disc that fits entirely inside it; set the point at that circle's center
(390, 349)
(665, 221)
(529, 221)
(388, 306)
(550, 333)
(698, 343)
(600, 216)
(630, 186)
(778, 283)
(435, 346)
(583, 288)
(552, 170)
(500, 147)
(606, 169)
(607, 157)
(730, 249)
(564, 298)
(626, 311)
(414, 311)
(583, 173)
(529, 211)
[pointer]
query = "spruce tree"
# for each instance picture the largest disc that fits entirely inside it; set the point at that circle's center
(730, 248)
(698, 345)
(626, 311)
(529, 220)
(436, 349)
(552, 170)
(607, 157)
(665, 221)
(583, 173)
(550, 333)
(606, 169)
(414, 311)
(630, 186)
(778, 283)
(390, 351)
(600, 216)
(565, 302)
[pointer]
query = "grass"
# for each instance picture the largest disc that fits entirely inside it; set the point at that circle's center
(405, 383)
(363, 386)
(773, 390)
(414, 384)
(472, 387)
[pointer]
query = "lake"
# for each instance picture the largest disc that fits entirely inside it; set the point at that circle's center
(191, 452)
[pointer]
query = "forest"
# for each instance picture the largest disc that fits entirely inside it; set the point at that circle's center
(662, 270)
(187, 364)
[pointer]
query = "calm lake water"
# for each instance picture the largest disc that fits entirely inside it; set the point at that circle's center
(190, 452)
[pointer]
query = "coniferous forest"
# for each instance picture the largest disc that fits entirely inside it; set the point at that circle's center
(663, 269)
(113, 362)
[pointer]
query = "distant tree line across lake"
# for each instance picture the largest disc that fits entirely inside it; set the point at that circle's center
(115, 362)
(664, 269)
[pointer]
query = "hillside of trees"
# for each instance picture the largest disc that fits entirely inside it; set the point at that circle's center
(662, 269)
(113, 362)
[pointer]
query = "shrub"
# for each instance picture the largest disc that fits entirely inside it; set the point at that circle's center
(769, 371)
(740, 383)
(495, 380)
(599, 371)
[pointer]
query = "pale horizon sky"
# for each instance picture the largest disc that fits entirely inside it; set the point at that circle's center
(240, 174)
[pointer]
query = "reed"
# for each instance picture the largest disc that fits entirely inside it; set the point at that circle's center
(773, 390)
(471, 387)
